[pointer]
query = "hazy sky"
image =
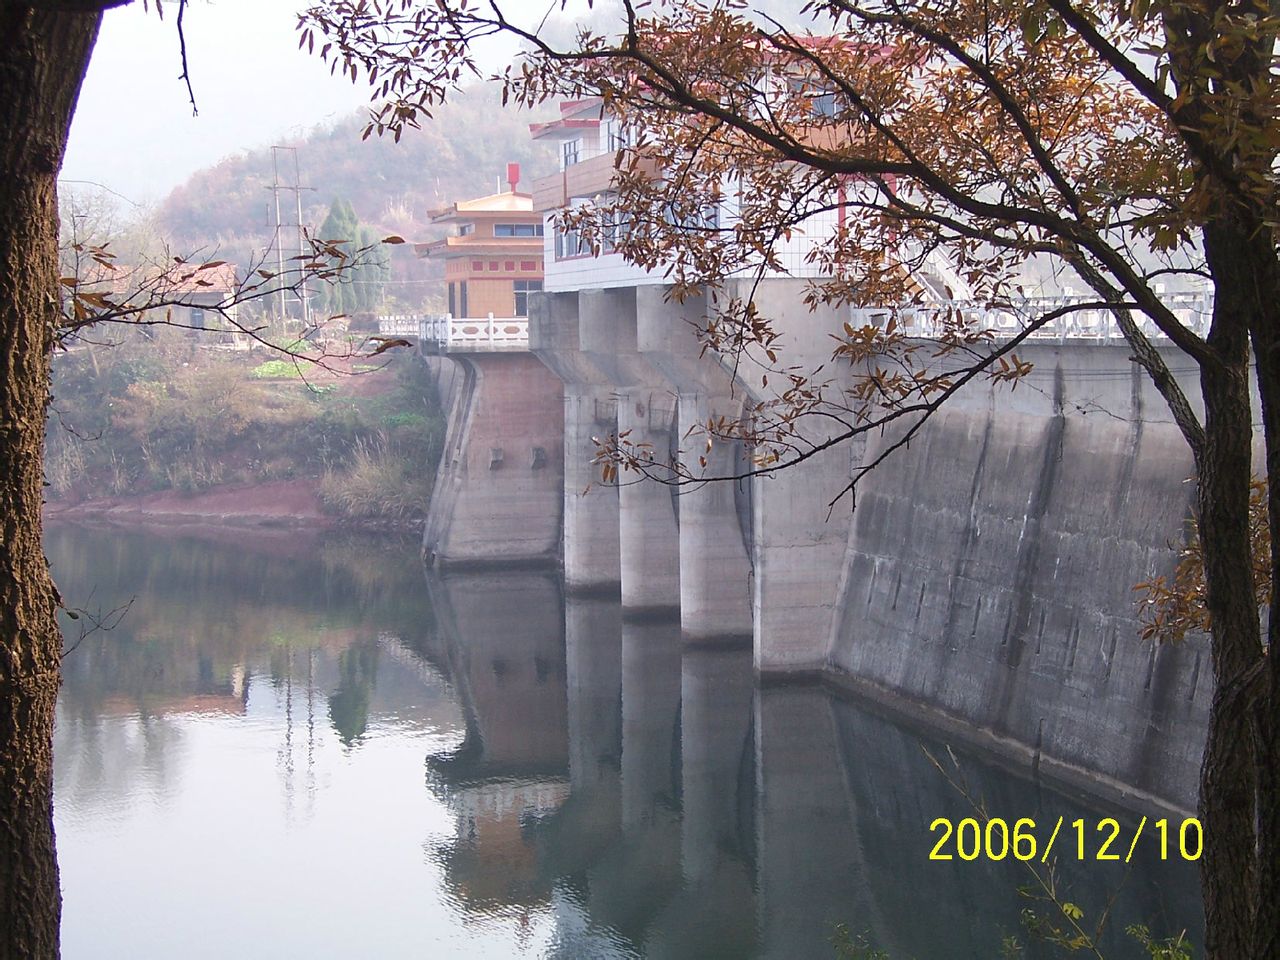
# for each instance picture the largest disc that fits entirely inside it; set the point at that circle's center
(133, 130)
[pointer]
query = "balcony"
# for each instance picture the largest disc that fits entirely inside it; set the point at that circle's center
(583, 179)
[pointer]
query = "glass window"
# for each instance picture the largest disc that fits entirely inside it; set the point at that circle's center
(517, 229)
(566, 244)
(463, 304)
(453, 300)
(522, 290)
(616, 136)
(570, 150)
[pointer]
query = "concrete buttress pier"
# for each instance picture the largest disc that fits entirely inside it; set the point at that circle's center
(498, 488)
(590, 554)
(984, 580)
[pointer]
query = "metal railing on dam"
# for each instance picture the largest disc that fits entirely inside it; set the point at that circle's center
(1079, 319)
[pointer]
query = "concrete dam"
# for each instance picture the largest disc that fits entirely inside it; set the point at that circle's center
(983, 585)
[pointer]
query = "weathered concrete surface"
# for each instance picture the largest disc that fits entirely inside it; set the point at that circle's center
(990, 572)
(715, 578)
(985, 577)
(499, 486)
(798, 541)
(589, 546)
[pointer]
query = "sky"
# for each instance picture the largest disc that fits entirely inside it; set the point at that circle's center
(134, 132)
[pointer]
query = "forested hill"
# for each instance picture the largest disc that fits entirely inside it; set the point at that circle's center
(462, 152)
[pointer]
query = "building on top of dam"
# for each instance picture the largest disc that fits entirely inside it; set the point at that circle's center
(496, 498)
(493, 254)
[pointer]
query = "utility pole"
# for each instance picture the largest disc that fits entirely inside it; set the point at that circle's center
(298, 237)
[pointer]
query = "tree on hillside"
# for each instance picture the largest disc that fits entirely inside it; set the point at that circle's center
(358, 289)
(1127, 144)
(338, 298)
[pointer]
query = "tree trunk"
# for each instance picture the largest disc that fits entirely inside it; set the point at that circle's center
(1265, 330)
(43, 56)
(1235, 862)
(1229, 775)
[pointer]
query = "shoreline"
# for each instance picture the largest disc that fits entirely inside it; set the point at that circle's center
(286, 506)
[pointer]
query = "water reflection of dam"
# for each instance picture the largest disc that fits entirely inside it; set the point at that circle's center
(661, 803)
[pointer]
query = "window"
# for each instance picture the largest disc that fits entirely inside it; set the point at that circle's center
(570, 150)
(617, 226)
(567, 244)
(517, 229)
(824, 105)
(528, 265)
(706, 218)
(453, 300)
(466, 228)
(463, 304)
(821, 99)
(616, 136)
(197, 318)
(522, 290)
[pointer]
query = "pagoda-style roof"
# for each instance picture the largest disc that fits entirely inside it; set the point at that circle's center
(494, 203)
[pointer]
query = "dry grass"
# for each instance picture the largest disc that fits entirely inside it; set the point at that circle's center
(376, 483)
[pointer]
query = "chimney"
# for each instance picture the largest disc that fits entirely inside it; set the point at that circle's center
(513, 175)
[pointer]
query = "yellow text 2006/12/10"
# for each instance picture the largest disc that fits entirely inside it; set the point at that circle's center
(996, 839)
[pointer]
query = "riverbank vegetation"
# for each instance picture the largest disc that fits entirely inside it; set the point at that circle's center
(158, 412)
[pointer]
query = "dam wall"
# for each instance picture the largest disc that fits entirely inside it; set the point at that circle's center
(990, 570)
(984, 581)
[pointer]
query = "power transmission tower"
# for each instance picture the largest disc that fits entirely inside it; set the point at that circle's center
(291, 233)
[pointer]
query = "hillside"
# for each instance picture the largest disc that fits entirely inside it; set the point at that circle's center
(392, 186)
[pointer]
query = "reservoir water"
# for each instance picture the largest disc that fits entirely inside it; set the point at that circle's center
(296, 746)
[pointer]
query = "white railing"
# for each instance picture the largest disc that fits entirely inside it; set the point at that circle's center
(1090, 324)
(400, 325)
(474, 333)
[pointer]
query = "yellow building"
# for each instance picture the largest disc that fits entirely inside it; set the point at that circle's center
(493, 255)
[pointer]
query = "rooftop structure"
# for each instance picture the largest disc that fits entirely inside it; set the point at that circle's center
(493, 257)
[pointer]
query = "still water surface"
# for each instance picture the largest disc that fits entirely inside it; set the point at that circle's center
(304, 748)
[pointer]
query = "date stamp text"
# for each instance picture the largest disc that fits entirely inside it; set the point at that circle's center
(1026, 839)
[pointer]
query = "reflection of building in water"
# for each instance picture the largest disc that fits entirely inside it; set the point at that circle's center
(197, 688)
(492, 861)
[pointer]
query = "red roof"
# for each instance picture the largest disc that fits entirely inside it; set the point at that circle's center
(538, 129)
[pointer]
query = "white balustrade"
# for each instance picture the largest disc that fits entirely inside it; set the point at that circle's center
(466, 334)
(931, 318)
(927, 319)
